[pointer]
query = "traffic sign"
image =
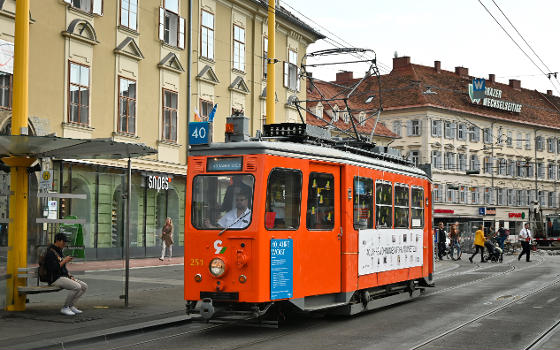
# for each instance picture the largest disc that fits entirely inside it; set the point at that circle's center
(46, 180)
(199, 133)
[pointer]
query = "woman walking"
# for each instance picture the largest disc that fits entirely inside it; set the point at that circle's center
(479, 244)
(167, 238)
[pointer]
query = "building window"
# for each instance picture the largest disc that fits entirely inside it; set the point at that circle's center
(509, 139)
(171, 25)
(502, 166)
(510, 171)
(170, 106)
(449, 131)
(474, 132)
(78, 106)
(488, 165)
(551, 171)
(89, 6)
(462, 161)
(463, 194)
(436, 159)
(540, 170)
(436, 128)
(449, 161)
(127, 106)
(414, 127)
(438, 193)
(5, 90)
(488, 196)
(238, 48)
(475, 195)
(474, 163)
(539, 143)
(461, 131)
(487, 135)
(551, 143)
(452, 191)
(519, 143)
(527, 141)
(129, 14)
(415, 157)
(205, 109)
(265, 57)
(551, 201)
(397, 127)
(207, 35)
(501, 199)
(291, 72)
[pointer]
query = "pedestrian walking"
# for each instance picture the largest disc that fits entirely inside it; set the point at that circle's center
(58, 275)
(454, 237)
(441, 237)
(525, 238)
(479, 244)
(167, 238)
(502, 236)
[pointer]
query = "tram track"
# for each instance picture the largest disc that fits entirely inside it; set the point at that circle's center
(533, 345)
(541, 339)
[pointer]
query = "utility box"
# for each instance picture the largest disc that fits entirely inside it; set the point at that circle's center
(237, 128)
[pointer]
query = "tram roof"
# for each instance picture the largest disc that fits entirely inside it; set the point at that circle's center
(306, 151)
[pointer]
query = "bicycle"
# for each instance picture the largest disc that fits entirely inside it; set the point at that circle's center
(454, 251)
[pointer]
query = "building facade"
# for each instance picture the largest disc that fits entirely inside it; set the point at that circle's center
(118, 69)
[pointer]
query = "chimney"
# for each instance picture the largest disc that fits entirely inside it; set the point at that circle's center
(492, 78)
(400, 62)
(549, 92)
(514, 83)
(344, 76)
(462, 71)
(437, 66)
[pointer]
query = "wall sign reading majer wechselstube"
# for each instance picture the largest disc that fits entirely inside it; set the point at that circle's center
(490, 97)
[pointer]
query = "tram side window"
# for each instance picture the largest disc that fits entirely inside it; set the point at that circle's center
(283, 199)
(363, 203)
(320, 202)
(417, 205)
(383, 205)
(222, 201)
(401, 206)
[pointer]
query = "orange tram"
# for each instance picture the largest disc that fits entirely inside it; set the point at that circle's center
(290, 222)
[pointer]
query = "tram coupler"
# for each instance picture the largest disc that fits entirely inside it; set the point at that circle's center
(207, 309)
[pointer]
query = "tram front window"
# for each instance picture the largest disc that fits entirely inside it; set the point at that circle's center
(222, 201)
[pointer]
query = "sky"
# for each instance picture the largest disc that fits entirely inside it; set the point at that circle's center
(455, 32)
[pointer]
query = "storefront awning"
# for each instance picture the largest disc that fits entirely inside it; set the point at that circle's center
(65, 148)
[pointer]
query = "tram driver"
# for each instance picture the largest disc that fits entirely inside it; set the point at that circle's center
(238, 217)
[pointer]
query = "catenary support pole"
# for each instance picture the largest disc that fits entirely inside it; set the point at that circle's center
(17, 227)
(270, 74)
(127, 232)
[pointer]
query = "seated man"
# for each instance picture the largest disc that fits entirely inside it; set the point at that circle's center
(238, 217)
(59, 276)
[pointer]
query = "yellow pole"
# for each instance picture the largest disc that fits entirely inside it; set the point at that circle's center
(271, 77)
(17, 228)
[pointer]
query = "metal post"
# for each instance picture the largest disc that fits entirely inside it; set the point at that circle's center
(17, 228)
(127, 233)
(270, 75)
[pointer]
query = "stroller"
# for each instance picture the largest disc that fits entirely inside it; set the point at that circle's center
(495, 253)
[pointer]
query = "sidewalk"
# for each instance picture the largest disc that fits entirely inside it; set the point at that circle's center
(155, 300)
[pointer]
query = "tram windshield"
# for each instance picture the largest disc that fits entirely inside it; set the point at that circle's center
(222, 201)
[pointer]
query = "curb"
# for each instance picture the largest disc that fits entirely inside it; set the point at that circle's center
(106, 334)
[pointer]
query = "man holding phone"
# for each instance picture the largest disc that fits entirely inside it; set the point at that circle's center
(60, 277)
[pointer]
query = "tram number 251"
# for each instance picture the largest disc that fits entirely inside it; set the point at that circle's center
(197, 262)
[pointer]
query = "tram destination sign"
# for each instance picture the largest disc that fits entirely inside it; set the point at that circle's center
(479, 93)
(225, 164)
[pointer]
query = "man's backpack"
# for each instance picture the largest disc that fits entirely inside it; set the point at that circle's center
(43, 272)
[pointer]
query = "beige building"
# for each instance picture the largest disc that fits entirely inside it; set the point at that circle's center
(118, 69)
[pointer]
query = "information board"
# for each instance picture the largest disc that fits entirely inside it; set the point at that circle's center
(281, 268)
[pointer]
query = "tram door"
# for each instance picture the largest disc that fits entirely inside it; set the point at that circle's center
(323, 224)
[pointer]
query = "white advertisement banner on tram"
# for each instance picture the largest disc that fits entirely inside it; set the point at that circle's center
(386, 250)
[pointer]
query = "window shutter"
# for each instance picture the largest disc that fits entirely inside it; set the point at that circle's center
(298, 81)
(453, 130)
(97, 7)
(419, 128)
(181, 33)
(286, 74)
(161, 23)
(409, 128)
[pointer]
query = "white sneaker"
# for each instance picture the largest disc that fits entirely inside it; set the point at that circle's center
(75, 310)
(67, 311)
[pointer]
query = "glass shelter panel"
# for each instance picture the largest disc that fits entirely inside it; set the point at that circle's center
(320, 202)
(283, 199)
(222, 201)
(363, 203)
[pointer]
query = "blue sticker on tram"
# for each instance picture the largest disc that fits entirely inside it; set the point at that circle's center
(281, 268)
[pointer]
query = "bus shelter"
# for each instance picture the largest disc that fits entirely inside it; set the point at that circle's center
(26, 150)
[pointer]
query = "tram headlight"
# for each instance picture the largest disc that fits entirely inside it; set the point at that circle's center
(217, 267)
